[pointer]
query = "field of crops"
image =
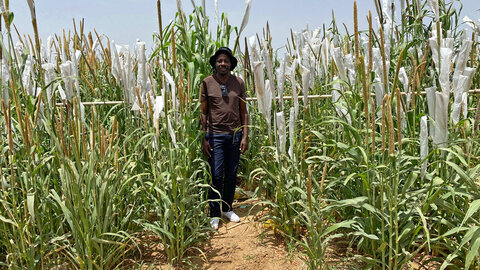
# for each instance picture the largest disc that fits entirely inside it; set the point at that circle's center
(366, 136)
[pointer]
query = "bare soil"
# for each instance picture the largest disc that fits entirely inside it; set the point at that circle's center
(247, 245)
(250, 245)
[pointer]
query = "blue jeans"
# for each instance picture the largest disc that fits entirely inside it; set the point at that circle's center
(223, 162)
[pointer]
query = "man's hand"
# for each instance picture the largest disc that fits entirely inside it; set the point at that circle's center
(206, 149)
(244, 144)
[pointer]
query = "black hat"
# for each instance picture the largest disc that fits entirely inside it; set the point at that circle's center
(226, 51)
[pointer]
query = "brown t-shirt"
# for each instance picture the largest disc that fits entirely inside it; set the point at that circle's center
(223, 113)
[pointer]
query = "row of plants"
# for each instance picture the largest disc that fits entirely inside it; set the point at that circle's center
(380, 164)
(82, 181)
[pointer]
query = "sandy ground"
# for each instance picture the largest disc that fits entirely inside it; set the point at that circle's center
(237, 246)
(248, 245)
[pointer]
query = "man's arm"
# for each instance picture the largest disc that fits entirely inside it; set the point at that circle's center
(203, 115)
(206, 149)
(244, 116)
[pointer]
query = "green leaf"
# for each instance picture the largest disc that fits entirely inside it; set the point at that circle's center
(474, 206)
(345, 182)
(471, 233)
(357, 202)
(463, 175)
(473, 252)
(452, 232)
(104, 241)
(336, 226)
(6, 220)
(366, 235)
(10, 17)
(425, 227)
(65, 210)
(375, 210)
(31, 204)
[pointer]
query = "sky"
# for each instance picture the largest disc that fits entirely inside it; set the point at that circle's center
(125, 21)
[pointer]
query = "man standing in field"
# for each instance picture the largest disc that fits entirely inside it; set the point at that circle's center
(224, 118)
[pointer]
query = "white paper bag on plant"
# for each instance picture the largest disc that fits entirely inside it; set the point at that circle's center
(254, 55)
(217, 13)
(82, 111)
(338, 59)
(291, 131)
(325, 52)
(246, 15)
(388, 32)
(465, 105)
(379, 92)
(299, 39)
(431, 101)
(337, 102)
(403, 77)
(469, 72)
(281, 79)
(158, 110)
(142, 69)
(444, 76)
(49, 73)
(66, 72)
(122, 72)
(423, 145)
(378, 67)
(172, 87)
(75, 59)
(364, 44)
(5, 73)
(441, 119)
(171, 131)
(281, 132)
(49, 49)
(117, 69)
(460, 95)
(473, 24)
(350, 65)
(27, 75)
(269, 66)
(462, 85)
(448, 42)
(258, 77)
(435, 8)
(267, 103)
(461, 59)
(293, 81)
(130, 76)
(435, 50)
(306, 83)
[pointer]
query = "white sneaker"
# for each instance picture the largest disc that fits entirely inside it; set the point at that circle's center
(214, 223)
(230, 215)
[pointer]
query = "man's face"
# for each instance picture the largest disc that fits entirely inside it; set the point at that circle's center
(223, 64)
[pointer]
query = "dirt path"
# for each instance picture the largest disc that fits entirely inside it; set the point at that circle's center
(247, 245)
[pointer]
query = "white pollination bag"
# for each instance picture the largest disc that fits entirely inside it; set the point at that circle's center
(423, 145)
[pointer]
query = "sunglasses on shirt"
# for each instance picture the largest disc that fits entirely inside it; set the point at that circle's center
(224, 90)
